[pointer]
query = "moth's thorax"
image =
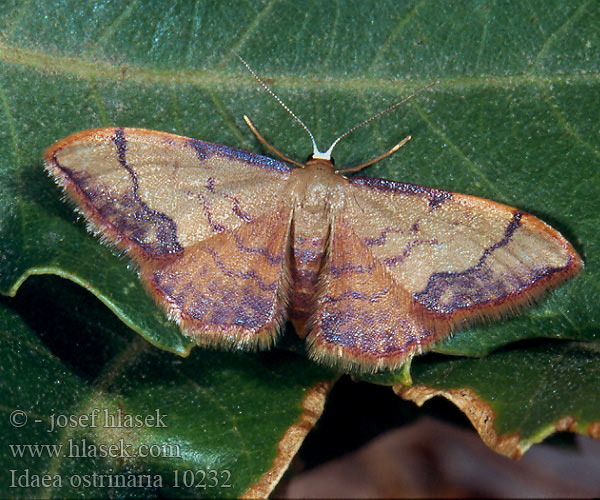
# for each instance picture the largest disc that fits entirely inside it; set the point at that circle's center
(316, 186)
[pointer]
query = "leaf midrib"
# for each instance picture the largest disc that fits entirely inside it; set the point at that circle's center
(97, 69)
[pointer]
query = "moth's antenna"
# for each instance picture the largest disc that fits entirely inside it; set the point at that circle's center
(375, 116)
(316, 152)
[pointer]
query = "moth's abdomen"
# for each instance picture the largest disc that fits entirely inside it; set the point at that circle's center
(308, 243)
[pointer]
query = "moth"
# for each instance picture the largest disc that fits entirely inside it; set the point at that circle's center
(369, 271)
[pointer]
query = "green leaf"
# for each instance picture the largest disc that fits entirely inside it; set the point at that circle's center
(517, 397)
(78, 377)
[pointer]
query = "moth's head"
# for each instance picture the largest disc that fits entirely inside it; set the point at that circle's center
(320, 160)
